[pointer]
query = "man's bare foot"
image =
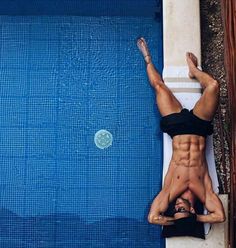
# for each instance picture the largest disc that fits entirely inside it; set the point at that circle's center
(142, 45)
(192, 63)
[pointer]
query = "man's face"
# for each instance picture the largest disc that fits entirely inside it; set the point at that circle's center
(182, 208)
(182, 205)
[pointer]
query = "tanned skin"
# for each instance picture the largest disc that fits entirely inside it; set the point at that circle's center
(187, 178)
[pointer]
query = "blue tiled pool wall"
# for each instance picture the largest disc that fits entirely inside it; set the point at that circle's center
(62, 80)
(136, 8)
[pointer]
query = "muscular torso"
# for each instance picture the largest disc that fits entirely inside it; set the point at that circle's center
(188, 178)
(188, 166)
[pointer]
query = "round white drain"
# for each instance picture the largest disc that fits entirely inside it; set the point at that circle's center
(103, 139)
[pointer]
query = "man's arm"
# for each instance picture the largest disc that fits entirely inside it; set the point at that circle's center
(158, 208)
(213, 204)
(161, 202)
(216, 212)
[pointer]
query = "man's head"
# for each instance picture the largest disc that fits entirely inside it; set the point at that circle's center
(183, 208)
(185, 217)
(185, 223)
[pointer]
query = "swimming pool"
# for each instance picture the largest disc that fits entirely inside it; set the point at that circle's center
(68, 70)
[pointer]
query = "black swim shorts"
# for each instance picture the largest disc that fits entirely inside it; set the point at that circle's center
(185, 122)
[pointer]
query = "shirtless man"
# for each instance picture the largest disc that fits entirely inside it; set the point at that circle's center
(187, 178)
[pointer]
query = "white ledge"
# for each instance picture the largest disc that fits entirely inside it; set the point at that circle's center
(181, 25)
(181, 33)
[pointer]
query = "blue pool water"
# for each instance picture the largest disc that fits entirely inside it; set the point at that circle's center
(64, 78)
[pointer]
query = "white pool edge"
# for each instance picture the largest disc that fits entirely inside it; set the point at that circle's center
(182, 33)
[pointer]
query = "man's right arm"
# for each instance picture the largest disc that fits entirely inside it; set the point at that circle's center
(161, 202)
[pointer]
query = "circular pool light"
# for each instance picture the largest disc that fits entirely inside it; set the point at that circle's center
(103, 139)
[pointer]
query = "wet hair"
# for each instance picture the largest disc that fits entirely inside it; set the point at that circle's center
(187, 226)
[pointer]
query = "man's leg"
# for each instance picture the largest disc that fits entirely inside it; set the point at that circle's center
(166, 101)
(206, 106)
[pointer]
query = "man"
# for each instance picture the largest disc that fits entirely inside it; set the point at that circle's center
(187, 178)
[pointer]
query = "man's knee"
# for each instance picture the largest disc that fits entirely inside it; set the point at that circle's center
(161, 88)
(214, 86)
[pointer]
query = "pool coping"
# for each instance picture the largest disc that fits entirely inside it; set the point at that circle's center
(182, 33)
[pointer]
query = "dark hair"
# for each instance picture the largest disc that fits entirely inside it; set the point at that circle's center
(188, 226)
